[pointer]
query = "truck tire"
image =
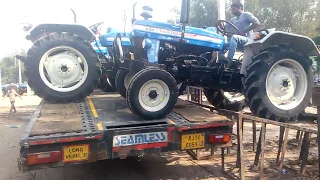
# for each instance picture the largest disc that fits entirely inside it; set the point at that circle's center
(119, 82)
(219, 101)
(62, 67)
(278, 84)
(152, 94)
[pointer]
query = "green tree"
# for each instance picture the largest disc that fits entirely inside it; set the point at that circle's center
(203, 13)
(299, 17)
(10, 71)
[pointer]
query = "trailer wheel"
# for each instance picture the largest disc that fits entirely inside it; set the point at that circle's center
(119, 82)
(152, 93)
(278, 84)
(218, 100)
(62, 67)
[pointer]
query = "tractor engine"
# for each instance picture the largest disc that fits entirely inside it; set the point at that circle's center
(174, 55)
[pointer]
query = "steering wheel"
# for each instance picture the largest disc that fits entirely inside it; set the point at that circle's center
(94, 27)
(221, 26)
(117, 49)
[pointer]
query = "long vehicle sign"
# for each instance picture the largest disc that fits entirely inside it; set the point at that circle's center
(143, 138)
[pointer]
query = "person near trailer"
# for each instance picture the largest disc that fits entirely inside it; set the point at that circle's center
(12, 97)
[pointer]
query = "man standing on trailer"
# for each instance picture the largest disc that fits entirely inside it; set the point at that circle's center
(245, 22)
(12, 97)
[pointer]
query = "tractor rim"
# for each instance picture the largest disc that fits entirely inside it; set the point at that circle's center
(154, 95)
(233, 96)
(63, 68)
(286, 84)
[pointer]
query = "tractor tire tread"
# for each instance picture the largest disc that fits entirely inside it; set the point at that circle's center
(255, 78)
(47, 42)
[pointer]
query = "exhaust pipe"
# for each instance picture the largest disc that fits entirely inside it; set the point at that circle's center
(74, 16)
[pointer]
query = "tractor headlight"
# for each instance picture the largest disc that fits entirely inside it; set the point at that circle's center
(146, 43)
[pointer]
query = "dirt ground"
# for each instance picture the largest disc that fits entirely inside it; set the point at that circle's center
(167, 167)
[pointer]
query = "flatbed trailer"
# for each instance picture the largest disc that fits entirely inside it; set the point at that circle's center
(103, 127)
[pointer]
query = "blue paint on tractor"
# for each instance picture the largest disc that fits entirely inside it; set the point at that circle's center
(172, 33)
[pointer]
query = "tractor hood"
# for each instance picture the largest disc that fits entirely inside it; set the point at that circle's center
(172, 32)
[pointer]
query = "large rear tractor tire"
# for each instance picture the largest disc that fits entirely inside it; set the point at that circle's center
(278, 84)
(152, 94)
(218, 100)
(62, 67)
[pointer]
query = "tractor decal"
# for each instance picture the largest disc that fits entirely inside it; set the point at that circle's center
(178, 34)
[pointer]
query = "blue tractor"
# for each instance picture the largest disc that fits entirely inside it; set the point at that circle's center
(103, 45)
(274, 75)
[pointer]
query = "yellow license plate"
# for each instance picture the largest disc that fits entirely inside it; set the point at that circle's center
(75, 153)
(192, 141)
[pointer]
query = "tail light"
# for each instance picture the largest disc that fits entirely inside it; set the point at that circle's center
(44, 158)
(219, 138)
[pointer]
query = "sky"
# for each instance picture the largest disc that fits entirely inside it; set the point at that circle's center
(14, 14)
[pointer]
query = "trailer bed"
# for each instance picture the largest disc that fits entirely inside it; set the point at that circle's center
(107, 111)
(103, 127)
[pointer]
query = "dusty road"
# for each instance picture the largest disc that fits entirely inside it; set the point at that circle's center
(170, 166)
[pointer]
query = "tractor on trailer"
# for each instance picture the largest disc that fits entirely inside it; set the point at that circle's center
(102, 127)
(274, 74)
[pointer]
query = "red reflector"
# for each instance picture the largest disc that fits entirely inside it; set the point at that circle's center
(222, 138)
(44, 158)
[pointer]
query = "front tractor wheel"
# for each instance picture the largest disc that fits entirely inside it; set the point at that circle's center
(120, 82)
(152, 94)
(278, 84)
(62, 67)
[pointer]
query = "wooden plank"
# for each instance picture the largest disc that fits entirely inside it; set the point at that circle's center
(254, 136)
(242, 167)
(276, 123)
(300, 138)
(280, 142)
(194, 113)
(239, 139)
(284, 148)
(212, 151)
(263, 138)
(298, 134)
(258, 152)
(222, 158)
(58, 118)
(305, 152)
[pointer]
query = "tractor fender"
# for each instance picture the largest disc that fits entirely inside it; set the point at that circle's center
(40, 30)
(300, 43)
